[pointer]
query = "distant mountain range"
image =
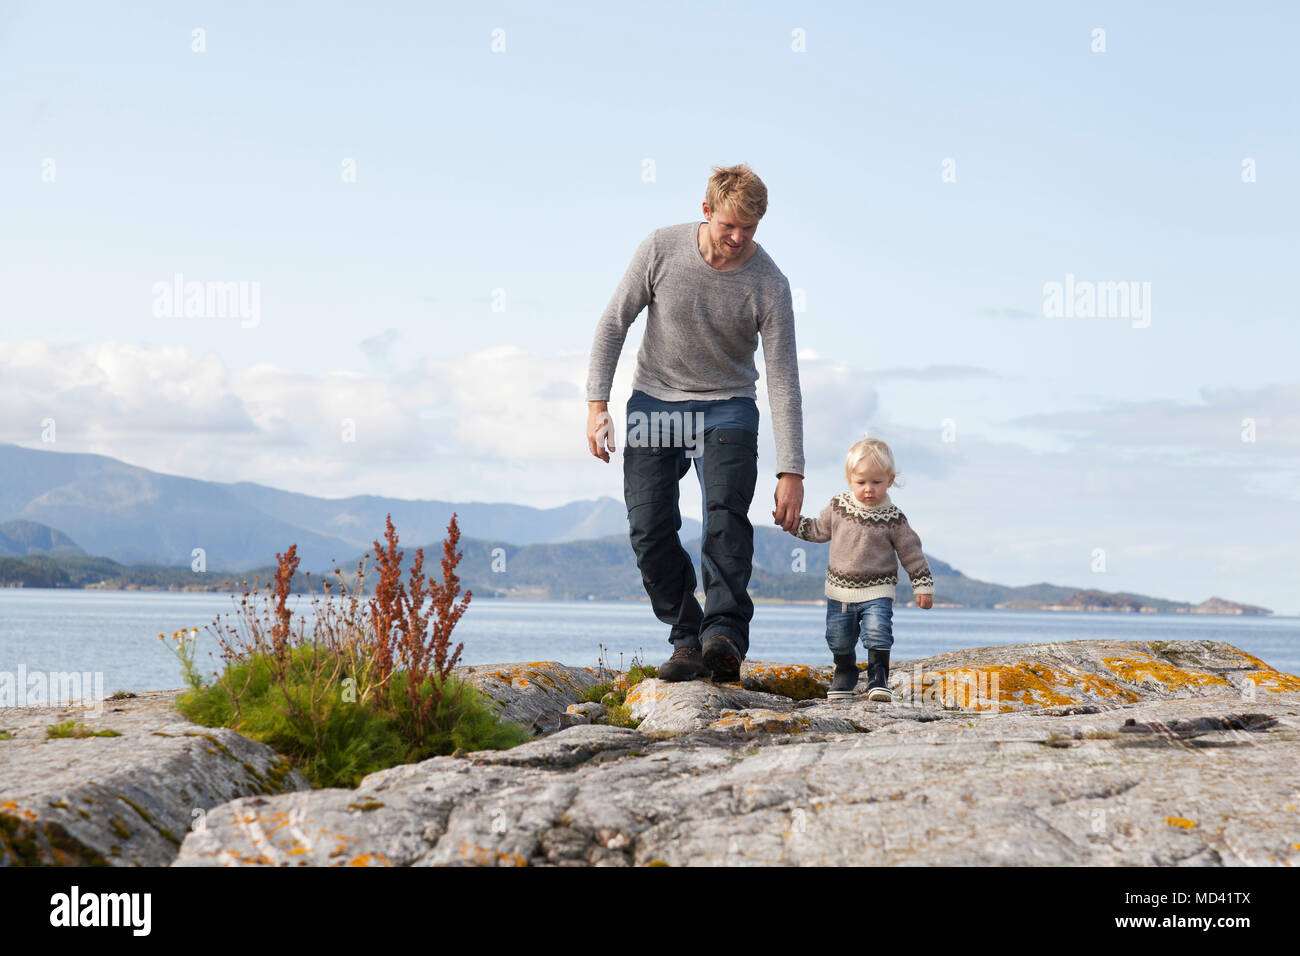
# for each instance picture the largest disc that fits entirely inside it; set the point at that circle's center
(77, 520)
(134, 515)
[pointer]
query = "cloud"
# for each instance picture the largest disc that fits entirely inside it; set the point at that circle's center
(937, 373)
(462, 428)
(116, 391)
(503, 424)
(1264, 421)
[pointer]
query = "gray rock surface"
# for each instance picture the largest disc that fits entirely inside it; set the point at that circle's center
(1066, 770)
(1019, 788)
(1086, 752)
(588, 710)
(536, 694)
(121, 800)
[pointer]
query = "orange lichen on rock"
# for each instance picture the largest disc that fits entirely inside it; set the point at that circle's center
(1031, 685)
(767, 721)
(10, 806)
(547, 674)
(1148, 670)
(796, 681)
(1268, 677)
(369, 859)
(1183, 822)
(481, 856)
(646, 691)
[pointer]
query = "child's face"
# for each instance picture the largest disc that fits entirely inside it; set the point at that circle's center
(869, 484)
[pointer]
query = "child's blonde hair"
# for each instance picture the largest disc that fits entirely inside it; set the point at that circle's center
(872, 451)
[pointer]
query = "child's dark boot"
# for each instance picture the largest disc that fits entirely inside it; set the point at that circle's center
(878, 675)
(846, 677)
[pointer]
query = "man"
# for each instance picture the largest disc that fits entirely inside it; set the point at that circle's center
(712, 292)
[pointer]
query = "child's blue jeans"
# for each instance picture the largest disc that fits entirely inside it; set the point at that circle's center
(872, 622)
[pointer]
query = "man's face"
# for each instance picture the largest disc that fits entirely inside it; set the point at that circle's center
(728, 233)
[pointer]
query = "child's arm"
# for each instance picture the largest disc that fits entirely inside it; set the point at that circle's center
(815, 529)
(907, 543)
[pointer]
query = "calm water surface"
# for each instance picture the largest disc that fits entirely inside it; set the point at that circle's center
(116, 632)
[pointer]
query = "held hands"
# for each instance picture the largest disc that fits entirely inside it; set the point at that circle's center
(789, 501)
(925, 600)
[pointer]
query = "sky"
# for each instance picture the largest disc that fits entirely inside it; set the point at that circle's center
(432, 205)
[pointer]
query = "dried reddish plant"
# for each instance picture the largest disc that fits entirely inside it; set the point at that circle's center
(286, 567)
(393, 632)
(403, 635)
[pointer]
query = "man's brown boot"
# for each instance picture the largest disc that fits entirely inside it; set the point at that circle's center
(685, 664)
(721, 658)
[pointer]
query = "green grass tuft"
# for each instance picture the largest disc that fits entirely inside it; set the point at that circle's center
(336, 742)
(75, 728)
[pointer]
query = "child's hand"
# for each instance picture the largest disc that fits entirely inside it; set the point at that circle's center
(925, 600)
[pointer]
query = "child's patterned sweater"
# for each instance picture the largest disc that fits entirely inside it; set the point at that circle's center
(864, 541)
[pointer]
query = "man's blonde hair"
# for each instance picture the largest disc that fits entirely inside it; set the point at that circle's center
(737, 188)
(869, 451)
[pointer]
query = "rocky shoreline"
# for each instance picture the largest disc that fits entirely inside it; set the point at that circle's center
(1069, 753)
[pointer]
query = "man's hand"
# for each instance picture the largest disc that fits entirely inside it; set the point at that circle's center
(925, 600)
(600, 430)
(789, 501)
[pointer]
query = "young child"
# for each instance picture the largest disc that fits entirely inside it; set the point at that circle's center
(866, 531)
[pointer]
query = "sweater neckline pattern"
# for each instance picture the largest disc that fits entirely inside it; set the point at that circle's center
(852, 505)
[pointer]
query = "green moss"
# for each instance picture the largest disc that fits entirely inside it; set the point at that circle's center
(5, 735)
(167, 834)
(75, 728)
(119, 828)
(279, 771)
(58, 804)
(217, 746)
(658, 863)
(365, 807)
(68, 848)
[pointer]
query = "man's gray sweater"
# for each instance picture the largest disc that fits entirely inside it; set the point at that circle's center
(702, 331)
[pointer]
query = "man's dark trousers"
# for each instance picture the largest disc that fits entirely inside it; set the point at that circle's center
(725, 452)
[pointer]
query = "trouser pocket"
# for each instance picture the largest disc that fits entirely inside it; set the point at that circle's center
(730, 463)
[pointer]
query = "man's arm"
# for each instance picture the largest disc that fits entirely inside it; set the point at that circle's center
(783, 395)
(633, 294)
